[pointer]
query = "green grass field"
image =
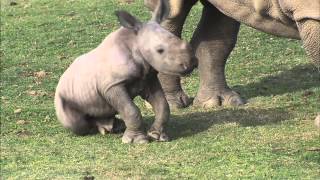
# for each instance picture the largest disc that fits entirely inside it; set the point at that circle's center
(271, 137)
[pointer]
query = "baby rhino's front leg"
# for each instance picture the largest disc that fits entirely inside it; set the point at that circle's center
(155, 96)
(120, 100)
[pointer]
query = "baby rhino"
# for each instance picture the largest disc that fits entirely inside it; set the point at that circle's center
(103, 82)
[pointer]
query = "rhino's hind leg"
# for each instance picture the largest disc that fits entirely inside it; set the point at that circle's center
(213, 41)
(171, 85)
(309, 30)
(73, 119)
(175, 95)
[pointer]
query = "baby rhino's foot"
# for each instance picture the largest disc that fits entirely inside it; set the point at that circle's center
(158, 135)
(112, 125)
(105, 126)
(134, 137)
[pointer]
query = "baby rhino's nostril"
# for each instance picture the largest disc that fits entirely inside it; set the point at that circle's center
(160, 50)
(181, 65)
(185, 67)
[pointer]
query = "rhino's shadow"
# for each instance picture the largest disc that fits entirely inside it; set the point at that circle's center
(296, 79)
(189, 124)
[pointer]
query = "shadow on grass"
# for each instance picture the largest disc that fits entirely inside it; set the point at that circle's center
(192, 123)
(296, 79)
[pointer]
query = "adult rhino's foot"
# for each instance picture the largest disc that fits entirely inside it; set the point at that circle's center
(178, 99)
(134, 137)
(209, 99)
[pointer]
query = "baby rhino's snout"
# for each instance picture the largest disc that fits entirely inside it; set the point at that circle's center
(188, 60)
(188, 66)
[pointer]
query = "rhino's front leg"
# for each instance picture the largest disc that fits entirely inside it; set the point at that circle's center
(309, 30)
(120, 100)
(155, 96)
(213, 40)
(171, 85)
(174, 93)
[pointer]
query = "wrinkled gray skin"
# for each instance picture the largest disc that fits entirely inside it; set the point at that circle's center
(103, 82)
(216, 35)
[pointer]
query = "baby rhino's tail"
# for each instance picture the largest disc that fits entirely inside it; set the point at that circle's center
(71, 118)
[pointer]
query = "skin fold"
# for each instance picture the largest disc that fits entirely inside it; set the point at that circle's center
(216, 35)
(103, 82)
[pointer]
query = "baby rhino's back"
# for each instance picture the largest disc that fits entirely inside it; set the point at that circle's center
(79, 86)
(93, 73)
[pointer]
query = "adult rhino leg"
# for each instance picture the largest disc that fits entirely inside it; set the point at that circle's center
(213, 40)
(179, 10)
(309, 30)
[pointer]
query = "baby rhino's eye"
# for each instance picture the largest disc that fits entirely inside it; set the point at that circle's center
(160, 50)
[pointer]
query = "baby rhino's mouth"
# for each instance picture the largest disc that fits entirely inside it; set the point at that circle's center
(181, 69)
(187, 72)
(188, 68)
(180, 73)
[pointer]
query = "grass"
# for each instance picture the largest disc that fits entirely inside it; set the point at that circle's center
(273, 136)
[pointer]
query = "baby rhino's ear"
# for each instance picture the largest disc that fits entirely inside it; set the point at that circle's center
(128, 21)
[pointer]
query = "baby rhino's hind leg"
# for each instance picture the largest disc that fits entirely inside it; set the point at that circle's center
(78, 123)
(74, 120)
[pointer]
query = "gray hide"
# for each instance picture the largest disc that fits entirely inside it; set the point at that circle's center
(103, 82)
(216, 35)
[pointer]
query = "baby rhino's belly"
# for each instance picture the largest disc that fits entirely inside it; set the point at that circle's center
(103, 110)
(99, 107)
